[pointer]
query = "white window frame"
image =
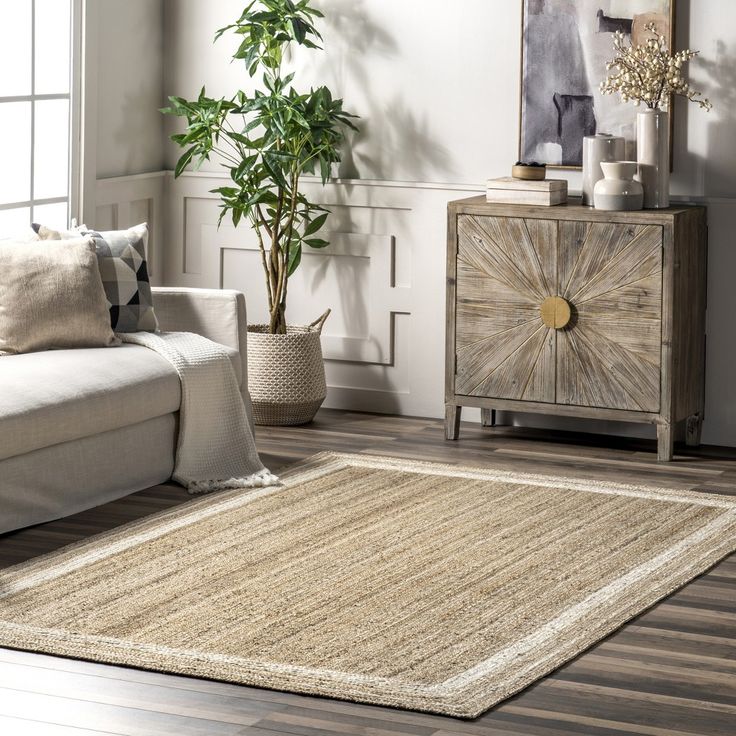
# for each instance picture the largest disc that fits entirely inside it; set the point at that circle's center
(76, 102)
(84, 178)
(74, 96)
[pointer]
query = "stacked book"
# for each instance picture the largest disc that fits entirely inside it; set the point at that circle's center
(508, 190)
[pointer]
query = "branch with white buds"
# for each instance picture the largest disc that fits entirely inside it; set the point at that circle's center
(649, 74)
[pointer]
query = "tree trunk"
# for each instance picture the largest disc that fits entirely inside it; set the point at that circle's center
(277, 325)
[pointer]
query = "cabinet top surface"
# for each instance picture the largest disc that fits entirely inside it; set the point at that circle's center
(573, 210)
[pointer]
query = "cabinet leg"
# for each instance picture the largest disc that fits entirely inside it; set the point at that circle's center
(665, 442)
(693, 430)
(452, 421)
(488, 417)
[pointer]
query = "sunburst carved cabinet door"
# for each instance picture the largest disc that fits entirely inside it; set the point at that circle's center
(609, 355)
(503, 348)
(598, 315)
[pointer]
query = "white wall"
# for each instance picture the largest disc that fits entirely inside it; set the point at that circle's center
(434, 105)
(129, 89)
(437, 87)
(437, 84)
(122, 131)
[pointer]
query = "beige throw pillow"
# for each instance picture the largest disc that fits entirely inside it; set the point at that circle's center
(51, 296)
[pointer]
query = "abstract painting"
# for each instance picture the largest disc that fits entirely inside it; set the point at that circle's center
(565, 47)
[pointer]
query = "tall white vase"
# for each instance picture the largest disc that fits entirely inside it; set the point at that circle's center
(653, 157)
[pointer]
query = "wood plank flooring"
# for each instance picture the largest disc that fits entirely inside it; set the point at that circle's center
(670, 672)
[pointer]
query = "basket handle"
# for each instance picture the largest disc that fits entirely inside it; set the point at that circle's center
(319, 323)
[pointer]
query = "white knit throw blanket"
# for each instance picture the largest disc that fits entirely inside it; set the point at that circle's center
(215, 448)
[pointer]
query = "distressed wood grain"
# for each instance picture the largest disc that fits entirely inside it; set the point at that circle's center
(634, 347)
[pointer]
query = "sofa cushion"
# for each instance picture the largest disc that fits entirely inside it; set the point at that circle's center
(51, 296)
(124, 271)
(121, 255)
(63, 395)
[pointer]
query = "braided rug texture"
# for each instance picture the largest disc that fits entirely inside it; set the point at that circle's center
(389, 581)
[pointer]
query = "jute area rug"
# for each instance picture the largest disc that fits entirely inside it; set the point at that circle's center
(372, 579)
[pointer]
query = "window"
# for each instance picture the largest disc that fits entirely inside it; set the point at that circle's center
(35, 112)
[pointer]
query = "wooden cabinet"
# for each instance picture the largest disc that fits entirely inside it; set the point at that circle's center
(568, 310)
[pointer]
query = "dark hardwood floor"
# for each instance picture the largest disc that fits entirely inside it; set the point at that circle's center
(670, 672)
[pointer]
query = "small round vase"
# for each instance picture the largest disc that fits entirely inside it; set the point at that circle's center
(618, 191)
(597, 148)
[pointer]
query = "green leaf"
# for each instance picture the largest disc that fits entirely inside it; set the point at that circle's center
(295, 257)
(300, 29)
(315, 225)
(244, 167)
(184, 161)
(324, 169)
(240, 138)
(225, 192)
(271, 165)
(317, 243)
(275, 154)
(252, 125)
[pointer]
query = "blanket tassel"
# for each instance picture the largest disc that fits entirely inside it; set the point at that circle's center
(258, 480)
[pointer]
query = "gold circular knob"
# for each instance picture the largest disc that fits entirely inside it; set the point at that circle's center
(555, 312)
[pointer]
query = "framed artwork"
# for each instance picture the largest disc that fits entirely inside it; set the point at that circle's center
(565, 47)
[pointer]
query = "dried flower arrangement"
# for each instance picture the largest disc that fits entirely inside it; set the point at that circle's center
(649, 74)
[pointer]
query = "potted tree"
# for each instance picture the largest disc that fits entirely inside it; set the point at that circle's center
(267, 138)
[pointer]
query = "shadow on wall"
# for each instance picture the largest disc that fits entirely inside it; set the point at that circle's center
(714, 175)
(134, 127)
(717, 78)
(720, 87)
(390, 131)
(135, 108)
(351, 287)
(396, 133)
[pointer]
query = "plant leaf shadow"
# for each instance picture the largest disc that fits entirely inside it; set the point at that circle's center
(392, 137)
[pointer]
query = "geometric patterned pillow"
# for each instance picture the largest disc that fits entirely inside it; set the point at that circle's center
(121, 255)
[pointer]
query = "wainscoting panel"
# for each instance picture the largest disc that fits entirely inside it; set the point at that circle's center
(353, 279)
(130, 200)
(383, 277)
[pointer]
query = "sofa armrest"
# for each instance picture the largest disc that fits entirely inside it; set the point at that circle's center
(217, 314)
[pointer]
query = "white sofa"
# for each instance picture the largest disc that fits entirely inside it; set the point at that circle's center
(82, 427)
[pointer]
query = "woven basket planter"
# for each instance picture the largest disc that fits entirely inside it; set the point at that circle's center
(286, 374)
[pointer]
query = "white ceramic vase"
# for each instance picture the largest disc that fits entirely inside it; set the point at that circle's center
(618, 191)
(653, 156)
(598, 148)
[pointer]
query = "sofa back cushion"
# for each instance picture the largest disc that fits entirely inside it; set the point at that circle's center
(51, 296)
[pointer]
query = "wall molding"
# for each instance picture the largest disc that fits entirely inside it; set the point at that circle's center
(124, 201)
(448, 187)
(384, 299)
